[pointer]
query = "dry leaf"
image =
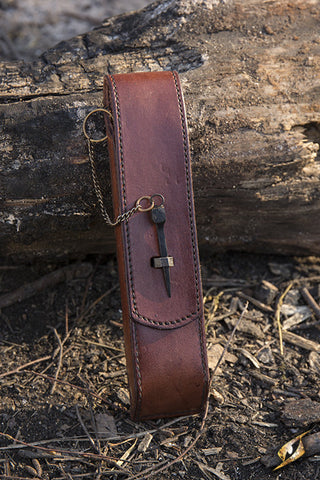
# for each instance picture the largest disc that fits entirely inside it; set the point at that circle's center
(214, 354)
(106, 425)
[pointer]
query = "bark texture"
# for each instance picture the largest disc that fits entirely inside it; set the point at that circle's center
(251, 77)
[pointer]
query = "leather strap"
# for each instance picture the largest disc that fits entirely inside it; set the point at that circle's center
(164, 336)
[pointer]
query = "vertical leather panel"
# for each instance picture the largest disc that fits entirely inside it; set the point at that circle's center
(154, 159)
(164, 337)
(172, 368)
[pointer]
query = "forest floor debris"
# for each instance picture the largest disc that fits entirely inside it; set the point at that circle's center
(64, 401)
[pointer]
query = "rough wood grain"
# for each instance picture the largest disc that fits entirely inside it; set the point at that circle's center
(251, 77)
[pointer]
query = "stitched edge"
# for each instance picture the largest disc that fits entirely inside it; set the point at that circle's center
(189, 188)
(204, 363)
(138, 371)
(125, 224)
(167, 415)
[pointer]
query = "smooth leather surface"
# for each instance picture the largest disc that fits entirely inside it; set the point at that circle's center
(164, 336)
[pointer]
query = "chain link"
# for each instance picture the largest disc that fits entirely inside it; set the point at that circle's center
(120, 218)
(138, 205)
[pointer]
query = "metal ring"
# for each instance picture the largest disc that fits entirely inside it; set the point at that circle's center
(84, 126)
(157, 195)
(140, 208)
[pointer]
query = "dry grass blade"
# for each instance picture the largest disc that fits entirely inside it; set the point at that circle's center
(311, 301)
(59, 362)
(26, 365)
(277, 315)
(73, 453)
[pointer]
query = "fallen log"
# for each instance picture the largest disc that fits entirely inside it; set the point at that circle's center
(250, 73)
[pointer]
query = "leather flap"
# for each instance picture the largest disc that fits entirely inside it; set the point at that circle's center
(152, 151)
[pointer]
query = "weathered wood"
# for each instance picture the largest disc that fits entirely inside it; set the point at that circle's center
(251, 76)
(301, 413)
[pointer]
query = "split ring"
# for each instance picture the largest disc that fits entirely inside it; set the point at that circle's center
(84, 126)
(140, 208)
(161, 199)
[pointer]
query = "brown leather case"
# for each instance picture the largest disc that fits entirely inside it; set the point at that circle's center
(164, 336)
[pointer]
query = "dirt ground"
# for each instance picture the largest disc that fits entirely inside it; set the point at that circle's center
(64, 399)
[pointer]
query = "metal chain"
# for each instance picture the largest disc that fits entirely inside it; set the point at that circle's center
(138, 205)
(120, 218)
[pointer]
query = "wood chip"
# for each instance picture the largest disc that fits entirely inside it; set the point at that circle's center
(314, 361)
(263, 378)
(217, 396)
(296, 314)
(301, 413)
(265, 355)
(145, 442)
(249, 356)
(214, 354)
(216, 471)
(300, 341)
(266, 292)
(123, 396)
(247, 326)
(211, 451)
(265, 424)
(126, 454)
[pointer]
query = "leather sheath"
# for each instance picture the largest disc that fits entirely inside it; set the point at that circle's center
(164, 336)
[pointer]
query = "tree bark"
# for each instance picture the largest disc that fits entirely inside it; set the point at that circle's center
(251, 77)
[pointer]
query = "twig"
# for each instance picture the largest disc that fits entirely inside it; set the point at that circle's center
(311, 301)
(59, 362)
(301, 280)
(277, 315)
(84, 428)
(66, 320)
(82, 439)
(301, 341)
(169, 463)
(63, 382)
(82, 316)
(94, 424)
(255, 302)
(53, 278)
(73, 453)
(22, 367)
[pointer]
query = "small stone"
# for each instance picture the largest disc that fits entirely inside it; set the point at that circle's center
(268, 29)
(265, 355)
(266, 292)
